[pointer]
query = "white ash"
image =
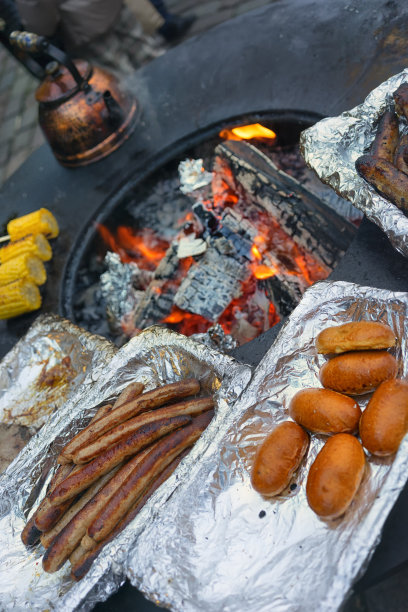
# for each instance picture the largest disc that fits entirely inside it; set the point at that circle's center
(193, 175)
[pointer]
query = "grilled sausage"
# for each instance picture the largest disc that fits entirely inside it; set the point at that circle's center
(47, 515)
(385, 178)
(358, 373)
(401, 155)
(69, 537)
(151, 399)
(30, 534)
(386, 138)
(188, 407)
(324, 411)
(384, 422)
(156, 460)
(355, 336)
(335, 476)
(82, 558)
(130, 393)
(87, 474)
(48, 537)
(401, 100)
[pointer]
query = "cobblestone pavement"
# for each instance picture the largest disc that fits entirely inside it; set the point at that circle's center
(20, 134)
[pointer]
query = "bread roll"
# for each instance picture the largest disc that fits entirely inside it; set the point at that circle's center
(355, 336)
(357, 373)
(335, 476)
(278, 458)
(324, 411)
(385, 420)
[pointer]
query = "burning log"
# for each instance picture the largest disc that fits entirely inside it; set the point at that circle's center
(310, 223)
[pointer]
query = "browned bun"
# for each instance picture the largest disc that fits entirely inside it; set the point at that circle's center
(278, 458)
(324, 411)
(355, 336)
(335, 476)
(357, 373)
(385, 420)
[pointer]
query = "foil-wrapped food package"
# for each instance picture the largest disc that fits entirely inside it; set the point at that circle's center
(332, 146)
(155, 357)
(220, 545)
(39, 374)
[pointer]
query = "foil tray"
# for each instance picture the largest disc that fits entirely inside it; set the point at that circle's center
(232, 549)
(331, 148)
(156, 356)
(39, 374)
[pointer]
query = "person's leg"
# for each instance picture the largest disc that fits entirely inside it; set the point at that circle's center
(175, 25)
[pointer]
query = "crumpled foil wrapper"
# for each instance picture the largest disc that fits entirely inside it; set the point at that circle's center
(193, 175)
(232, 549)
(118, 287)
(38, 375)
(332, 146)
(155, 357)
(216, 338)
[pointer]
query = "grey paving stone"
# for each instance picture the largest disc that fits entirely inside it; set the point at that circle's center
(21, 141)
(7, 129)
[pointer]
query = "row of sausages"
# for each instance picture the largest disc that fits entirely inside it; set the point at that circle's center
(363, 365)
(111, 467)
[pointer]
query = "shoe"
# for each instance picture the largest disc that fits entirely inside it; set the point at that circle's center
(176, 26)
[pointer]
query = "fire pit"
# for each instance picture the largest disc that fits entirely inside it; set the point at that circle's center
(231, 250)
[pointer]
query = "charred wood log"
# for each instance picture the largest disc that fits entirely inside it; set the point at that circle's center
(214, 281)
(312, 225)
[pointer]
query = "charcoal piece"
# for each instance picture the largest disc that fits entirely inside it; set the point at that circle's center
(213, 282)
(157, 300)
(311, 224)
(285, 296)
(206, 217)
(239, 230)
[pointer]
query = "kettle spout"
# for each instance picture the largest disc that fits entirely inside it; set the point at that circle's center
(116, 114)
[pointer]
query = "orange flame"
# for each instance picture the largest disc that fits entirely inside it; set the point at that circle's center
(247, 132)
(261, 272)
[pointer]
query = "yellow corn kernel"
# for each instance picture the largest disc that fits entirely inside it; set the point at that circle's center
(23, 267)
(17, 298)
(34, 244)
(38, 222)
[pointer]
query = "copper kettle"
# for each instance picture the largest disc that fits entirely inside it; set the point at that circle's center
(83, 112)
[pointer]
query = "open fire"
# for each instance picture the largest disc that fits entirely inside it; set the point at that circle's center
(231, 259)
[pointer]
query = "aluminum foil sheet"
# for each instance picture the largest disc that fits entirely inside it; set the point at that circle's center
(156, 356)
(38, 375)
(222, 546)
(332, 146)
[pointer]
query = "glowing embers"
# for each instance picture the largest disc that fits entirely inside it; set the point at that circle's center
(230, 261)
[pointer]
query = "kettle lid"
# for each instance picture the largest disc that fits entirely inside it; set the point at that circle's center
(59, 84)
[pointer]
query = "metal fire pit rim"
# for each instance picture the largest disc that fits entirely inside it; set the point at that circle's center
(151, 165)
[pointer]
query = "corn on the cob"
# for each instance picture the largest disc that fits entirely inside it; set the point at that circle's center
(34, 244)
(38, 222)
(24, 267)
(17, 298)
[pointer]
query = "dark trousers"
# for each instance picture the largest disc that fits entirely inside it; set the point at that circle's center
(161, 7)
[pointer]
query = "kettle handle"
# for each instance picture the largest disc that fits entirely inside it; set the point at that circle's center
(32, 43)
